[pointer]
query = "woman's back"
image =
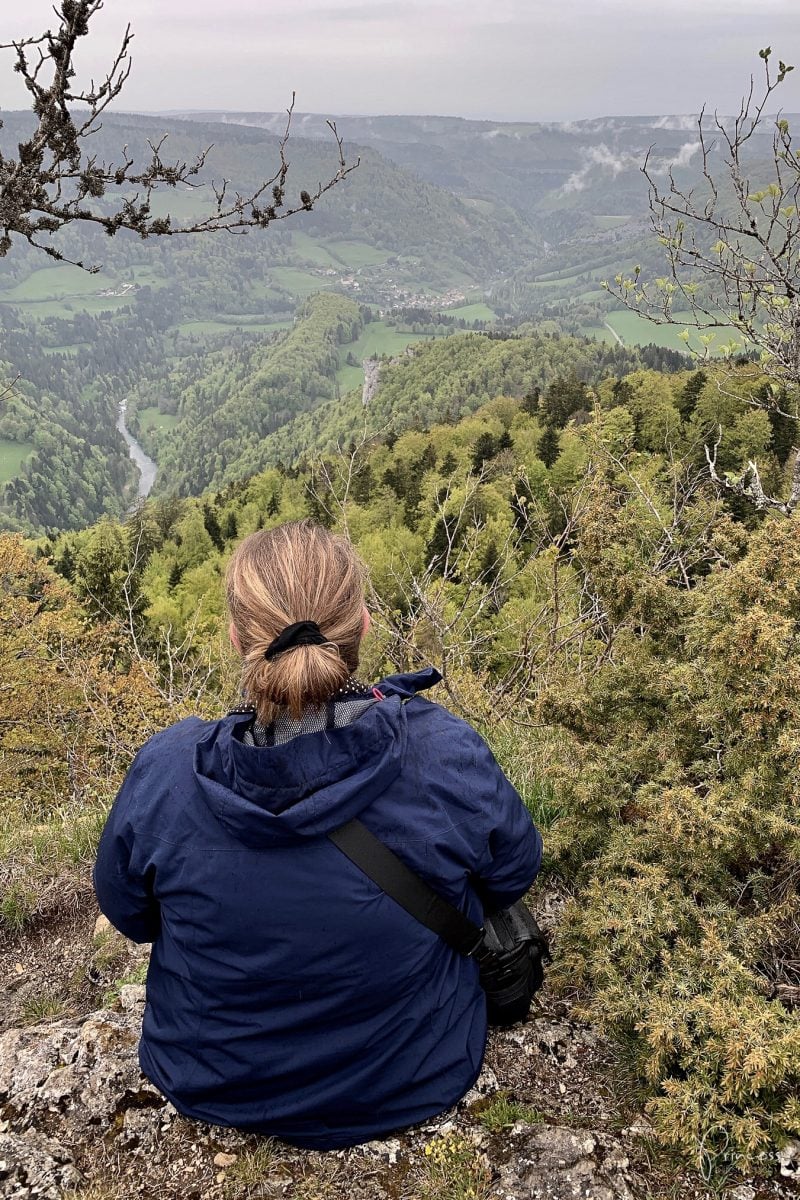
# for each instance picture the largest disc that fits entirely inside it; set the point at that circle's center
(287, 993)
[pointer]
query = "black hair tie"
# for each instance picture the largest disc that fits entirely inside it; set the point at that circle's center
(302, 633)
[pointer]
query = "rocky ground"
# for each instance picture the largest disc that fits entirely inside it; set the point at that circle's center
(553, 1115)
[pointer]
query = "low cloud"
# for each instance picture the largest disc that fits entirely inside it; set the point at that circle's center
(614, 162)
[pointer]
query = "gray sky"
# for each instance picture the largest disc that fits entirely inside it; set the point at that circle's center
(501, 59)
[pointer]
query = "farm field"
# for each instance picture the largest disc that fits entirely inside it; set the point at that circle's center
(52, 283)
(151, 420)
(378, 338)
(205, 327)
(40, 309)
(637, 331)
(12, 456)
(299, 283)
(313, 252)
(472, 312)
(357, 254)
(599, 333)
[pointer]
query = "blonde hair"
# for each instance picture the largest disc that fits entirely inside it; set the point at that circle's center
(277, 577)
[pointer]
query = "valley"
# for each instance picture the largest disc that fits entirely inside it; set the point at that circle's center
(446, 226)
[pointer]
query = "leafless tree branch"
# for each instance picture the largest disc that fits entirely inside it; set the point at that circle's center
(733, 251)
(53, 181)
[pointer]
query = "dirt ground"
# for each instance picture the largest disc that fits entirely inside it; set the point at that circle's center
(556, 1112)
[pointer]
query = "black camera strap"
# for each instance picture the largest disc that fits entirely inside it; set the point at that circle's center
(382, 866)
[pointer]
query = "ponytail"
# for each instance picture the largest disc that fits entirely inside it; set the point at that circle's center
(277, 578)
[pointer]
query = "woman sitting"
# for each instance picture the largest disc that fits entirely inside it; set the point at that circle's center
(287, 993)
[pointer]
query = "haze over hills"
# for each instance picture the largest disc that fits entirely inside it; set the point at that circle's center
(446, 224)
(523, 164)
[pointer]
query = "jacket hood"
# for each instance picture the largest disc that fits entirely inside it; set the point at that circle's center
(268, 795)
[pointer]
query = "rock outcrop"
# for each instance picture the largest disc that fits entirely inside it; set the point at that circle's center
(77, 1110)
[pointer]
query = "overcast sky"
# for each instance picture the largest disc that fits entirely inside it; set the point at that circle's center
(500, 59)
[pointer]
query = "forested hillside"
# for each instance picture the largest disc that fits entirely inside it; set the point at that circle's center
(626, 641)
(282, 404)
(499, 223)
(85, 342)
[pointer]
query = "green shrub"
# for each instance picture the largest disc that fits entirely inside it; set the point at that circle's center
(682, 823)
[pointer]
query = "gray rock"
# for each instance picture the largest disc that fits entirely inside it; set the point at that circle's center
(554, 1163)
(372, 373)
(34, 1166)
(789, 1159)
(88, 1071)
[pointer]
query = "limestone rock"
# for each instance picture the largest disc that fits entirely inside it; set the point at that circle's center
(789, 1159)
(103, 927)
(33, 1166)
(224, 1160)
(554, 1163)
(86, 1071)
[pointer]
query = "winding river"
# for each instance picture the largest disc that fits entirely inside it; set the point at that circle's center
(146, 467)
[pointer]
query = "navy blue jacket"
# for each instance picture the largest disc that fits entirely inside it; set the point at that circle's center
(287, 994)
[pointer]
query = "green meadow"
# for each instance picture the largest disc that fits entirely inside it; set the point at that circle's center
(377, 339)
(152, 420)
(245, 323)
(357, 254)
(471, 312)
(12, 456)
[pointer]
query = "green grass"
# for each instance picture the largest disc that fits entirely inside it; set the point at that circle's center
(250, 1170)
(377, 338)
(599, 332)
(298, 283)
(471, 312)
(637, 331)
(151, 419)
(313, 252)
(12, 456)
(203, 327)
(43, 1006)
(54, 283)
(503, 1113)
(136, 976)
(540, 799)
(357, 254)
(41, 309)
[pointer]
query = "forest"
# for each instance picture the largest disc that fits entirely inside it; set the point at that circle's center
(625, 638)
(439, 230)
(467, 356)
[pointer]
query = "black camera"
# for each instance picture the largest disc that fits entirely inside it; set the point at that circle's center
(511, 957)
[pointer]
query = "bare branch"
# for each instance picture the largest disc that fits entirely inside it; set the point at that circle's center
(54, 182)
(733, 254)
(748, 485)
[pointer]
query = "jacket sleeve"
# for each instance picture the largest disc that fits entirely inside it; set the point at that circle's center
(513, 851)
(123, 878)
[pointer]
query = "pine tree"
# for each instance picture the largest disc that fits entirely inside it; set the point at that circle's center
(211, 522)
(549, 446)
(688, 397)
(530, 402)
(484, 450)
